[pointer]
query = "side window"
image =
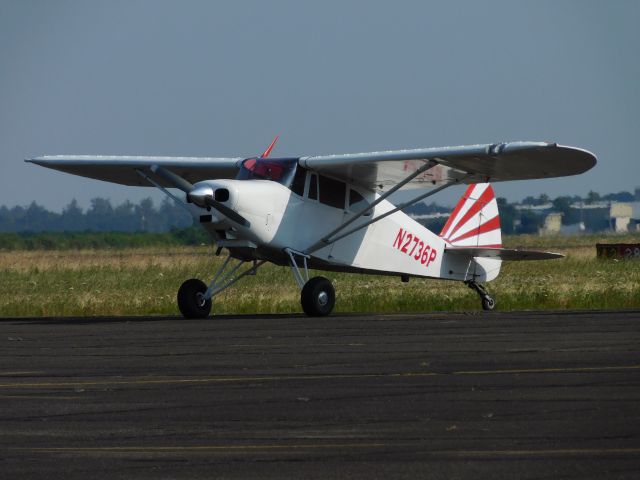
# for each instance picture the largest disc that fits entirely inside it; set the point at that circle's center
(297, 186)
(332, 192)
(313, 186)
(357, 202)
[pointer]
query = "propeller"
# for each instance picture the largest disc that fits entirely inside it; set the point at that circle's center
(202, 195)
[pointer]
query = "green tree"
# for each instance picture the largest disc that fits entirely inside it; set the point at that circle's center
(592, 197)
(72, 218)
(569, 215)
(530, 222)
(543, 198)
(508, 215)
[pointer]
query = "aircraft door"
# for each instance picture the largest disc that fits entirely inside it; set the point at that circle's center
(346, 250)
(322, 210)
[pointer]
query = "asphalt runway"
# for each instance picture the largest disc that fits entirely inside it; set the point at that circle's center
(441, 395)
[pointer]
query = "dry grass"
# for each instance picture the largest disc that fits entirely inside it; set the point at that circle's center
(145, 281)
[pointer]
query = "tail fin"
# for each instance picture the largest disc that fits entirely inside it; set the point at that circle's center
(267, 152)
(475, 221)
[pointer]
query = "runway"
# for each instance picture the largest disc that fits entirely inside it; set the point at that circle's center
(439, 395)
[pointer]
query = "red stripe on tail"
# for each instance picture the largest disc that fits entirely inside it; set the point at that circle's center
(493, 224)
(479, 204)
(456, 210)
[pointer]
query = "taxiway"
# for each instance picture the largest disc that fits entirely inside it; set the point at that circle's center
(438, 395)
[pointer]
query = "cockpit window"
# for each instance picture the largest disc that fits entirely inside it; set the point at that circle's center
(357, 202)
(297, 186)
(332, 192)
(281, 170)
(313, 186)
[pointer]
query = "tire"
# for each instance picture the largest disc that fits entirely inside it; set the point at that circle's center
(488, 303)
(188, 302)
(318, 297)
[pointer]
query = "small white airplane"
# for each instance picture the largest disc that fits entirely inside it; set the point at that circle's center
(331, 212)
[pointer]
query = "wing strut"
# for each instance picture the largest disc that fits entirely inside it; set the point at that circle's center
(330, 238)
(326, 240)
(164, 190)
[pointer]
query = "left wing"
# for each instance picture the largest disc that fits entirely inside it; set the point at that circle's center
(502, 253)
(122, 169)
(469, 164)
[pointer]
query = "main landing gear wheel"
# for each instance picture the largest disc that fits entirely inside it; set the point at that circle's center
(191, 300)
(318, 297)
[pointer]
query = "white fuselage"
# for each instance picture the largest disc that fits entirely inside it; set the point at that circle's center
(395, 245)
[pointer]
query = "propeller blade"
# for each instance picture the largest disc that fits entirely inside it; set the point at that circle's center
(226, 211)
(179, 182)
(175, 180)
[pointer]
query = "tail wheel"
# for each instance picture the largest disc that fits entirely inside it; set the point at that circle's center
(488, 303)
(318, 297)
(191, 300)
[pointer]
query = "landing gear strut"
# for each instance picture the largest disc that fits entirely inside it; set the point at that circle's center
(194, 297)
(317, 295)
(488, 302)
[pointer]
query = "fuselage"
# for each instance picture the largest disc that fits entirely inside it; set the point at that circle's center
(297, 215)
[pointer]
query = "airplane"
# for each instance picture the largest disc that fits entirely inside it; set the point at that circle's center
(332, 212)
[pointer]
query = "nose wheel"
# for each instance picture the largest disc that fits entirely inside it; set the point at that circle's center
(318, 297)
(488, 302)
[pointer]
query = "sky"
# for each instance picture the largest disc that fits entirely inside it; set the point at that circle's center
(205, 78)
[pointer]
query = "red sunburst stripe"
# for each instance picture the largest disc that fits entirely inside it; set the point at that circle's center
(479, 204)
(488, 226)
(456, 210)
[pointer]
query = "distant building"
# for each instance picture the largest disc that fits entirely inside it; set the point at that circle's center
(534, 208)
(595, 216)
(619, 217)
(553, 226)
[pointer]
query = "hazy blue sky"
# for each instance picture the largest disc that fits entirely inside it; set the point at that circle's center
(208, 78)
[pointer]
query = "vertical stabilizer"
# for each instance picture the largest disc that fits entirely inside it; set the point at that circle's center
(475, 221)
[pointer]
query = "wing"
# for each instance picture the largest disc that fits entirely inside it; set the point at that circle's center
(123, 169)
(502, 253)
(472, 164)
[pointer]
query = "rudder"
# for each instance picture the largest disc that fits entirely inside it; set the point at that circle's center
(475, 220)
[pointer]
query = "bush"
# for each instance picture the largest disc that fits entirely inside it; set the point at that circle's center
(97, 240)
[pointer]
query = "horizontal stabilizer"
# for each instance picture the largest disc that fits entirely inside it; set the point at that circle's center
(502, 253)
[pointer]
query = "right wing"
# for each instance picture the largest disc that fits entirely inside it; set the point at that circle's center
(122, 169)
(467, 164)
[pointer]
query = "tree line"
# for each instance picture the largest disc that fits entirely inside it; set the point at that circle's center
(101, 216)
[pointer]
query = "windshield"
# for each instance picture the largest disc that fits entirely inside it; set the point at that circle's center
(277, 170)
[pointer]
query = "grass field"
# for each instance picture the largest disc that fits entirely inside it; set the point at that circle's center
(145, 281)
